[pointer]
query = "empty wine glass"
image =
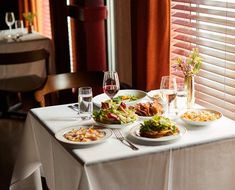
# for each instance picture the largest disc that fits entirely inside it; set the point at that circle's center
(168, 89)
(10, 20)
(111, 84)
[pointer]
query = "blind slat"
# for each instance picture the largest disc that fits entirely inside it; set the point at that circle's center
(203, 42)
(222, 4)
(211, 36)
(207, 19)
(204, 50)
(207, 10)
(204, 26)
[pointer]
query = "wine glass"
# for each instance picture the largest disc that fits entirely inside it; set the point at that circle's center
(10, 19)
(168, 89)
(111, 84)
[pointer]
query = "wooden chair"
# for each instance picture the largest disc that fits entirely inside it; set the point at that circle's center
(59, 82)
(21, 84)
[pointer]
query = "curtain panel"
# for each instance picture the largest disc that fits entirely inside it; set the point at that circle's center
(150, 42)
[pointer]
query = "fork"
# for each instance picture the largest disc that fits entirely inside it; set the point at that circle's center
(120, 137)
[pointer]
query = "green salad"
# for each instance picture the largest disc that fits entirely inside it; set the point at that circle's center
(158, 123)
(113, 113)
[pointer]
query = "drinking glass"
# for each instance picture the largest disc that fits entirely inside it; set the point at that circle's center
(85, 105)
(19, 25)
(180, 95)
(111, 84)
(9, 19)
(168, 89)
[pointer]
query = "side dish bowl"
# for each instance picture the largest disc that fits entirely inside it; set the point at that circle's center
(200, 117)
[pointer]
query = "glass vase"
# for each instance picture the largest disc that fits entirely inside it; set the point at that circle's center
(190, 91)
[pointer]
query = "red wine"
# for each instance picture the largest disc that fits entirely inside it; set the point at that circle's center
(110, 90)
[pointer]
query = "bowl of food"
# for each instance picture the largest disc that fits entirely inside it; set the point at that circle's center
(113, 115)
(129, 97)
(200, 117)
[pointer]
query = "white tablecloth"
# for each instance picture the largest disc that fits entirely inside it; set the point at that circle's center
(27, 42)
(202, 159)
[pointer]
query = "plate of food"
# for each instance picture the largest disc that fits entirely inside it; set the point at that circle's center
(155, 94)
(200, 117)
(83, 135)
(148, 109)
(113, 115)
(157, 129)
(129, 97)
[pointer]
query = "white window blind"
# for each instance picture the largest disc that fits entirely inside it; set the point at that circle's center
(208, 25)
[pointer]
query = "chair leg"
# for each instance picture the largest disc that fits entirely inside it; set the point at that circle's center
(3, 104)
(7, 111)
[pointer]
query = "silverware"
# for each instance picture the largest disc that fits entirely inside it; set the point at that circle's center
(120, 137)
(74, 107)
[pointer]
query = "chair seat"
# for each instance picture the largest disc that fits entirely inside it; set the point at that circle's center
(21, 84)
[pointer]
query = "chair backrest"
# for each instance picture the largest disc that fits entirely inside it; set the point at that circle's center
(58, 82)
(27, 82)
(23, 57)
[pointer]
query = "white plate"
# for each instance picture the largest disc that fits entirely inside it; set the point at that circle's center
(60, 137)
(152, 93)
(113, 126)
(103, 97)
(200, 123)
(134, 132)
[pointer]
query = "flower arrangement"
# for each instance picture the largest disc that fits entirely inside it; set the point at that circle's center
(29, 17)
(190, 65)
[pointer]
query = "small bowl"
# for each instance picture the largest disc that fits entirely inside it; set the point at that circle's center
(201, 123)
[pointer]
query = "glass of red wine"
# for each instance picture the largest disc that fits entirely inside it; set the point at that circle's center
(111, 84)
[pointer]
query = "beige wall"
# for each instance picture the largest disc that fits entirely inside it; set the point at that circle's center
(123, 40)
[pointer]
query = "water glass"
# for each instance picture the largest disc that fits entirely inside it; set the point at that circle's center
(19, 26)
(181, 96)
(85, 104)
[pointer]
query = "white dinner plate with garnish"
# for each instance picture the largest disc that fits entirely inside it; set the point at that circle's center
(139, 94)
(60, 136)
(135, 133)
(200, 117)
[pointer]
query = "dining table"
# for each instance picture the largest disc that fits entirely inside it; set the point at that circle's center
(202, 158)
(20, 42)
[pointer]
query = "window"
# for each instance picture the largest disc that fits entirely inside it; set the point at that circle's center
(208, 25)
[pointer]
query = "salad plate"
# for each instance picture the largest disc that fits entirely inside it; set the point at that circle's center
(200, 117)
(60, 135)
(129, 97)
(135, 133)
(114, 115)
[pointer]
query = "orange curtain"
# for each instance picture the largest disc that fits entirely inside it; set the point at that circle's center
(150, 42)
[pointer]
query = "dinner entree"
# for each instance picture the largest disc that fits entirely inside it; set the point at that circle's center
(84, 134)
(201, 116)
(113, 113)
(158, 126)
(148, 109)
